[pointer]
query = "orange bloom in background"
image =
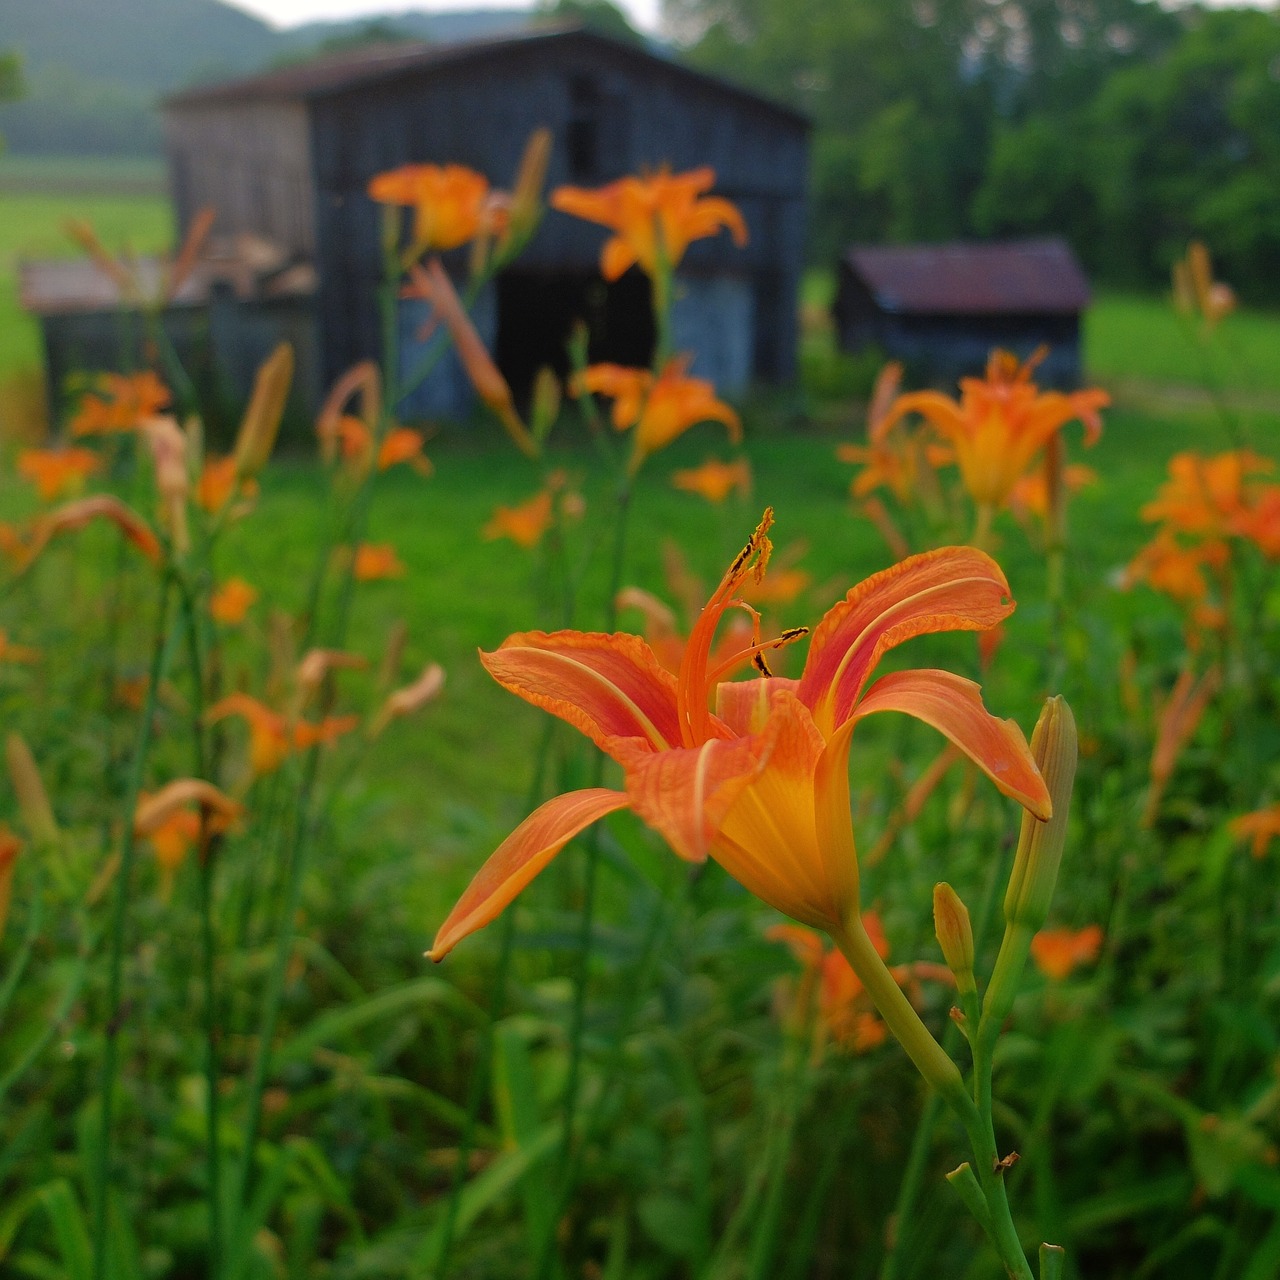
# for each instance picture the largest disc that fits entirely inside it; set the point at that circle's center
(231, 602)
(20, 653)
(219, 482)
(1030, 496)
(126, 401)
(10, 848)
(175, 817)
(1260, 521)
(451, 204)
(57, 473)
(716, 480)
(660, 409)
(760, 783)
(75, 515)
(1260, 828)
(413, 697)
(999, 424)
(655, 218)
(403, 444)
(1206, 496)
(663, 635)
(271, 736)
(523, 524)
(377, 560)
(1166, 565)
(1196, 292)
(1058, 952)
(1179, 718)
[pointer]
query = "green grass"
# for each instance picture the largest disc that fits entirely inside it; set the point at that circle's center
(99, 175)
(31, 226)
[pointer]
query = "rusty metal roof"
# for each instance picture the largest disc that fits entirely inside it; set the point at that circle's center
(1014, 277)
(250, 266)
(374, 64)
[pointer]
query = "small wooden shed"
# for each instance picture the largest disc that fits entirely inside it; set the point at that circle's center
(942, 308)
(288, 155)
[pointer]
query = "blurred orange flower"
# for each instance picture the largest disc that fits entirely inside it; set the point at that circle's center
(655, 217)
(1179, 718)
(22, 653)
(716, 480)
(1260, 827)
(523, 524)
(125, 402)
(660, 409)
(10, 848)
(1206, 496)
(999, 424)
(75, 515)
(57, 473)
(1030, 496)
(1260, 521)
(403, 444)
(219, 483)
(451, 204)
(271, 736)
(411, 698)
(231, 602)
(175, 817)
(1196, 292)
(1057, 952)
(377, 560)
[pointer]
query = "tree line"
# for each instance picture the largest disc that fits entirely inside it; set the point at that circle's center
(1123, 126)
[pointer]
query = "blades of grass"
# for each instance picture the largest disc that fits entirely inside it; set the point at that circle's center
(515, 1100)
(70, 1229)
(1265, 1262)
(278, 1163)
(484, 1190)
(327, 1183)
(336, 1023)
(699, 1135)
(18, 966)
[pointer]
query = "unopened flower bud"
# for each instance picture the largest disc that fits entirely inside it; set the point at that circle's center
(33, 801)
(261, 423)
(955, 936)
(1035, 866)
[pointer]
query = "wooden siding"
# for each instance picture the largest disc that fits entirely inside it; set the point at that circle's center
(251, 162)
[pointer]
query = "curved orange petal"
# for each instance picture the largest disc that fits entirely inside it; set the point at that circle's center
(950, 589)
(685, 793)
(616, 258)
(953, 706)
(607, 686)
(519, 858)
(940, 410)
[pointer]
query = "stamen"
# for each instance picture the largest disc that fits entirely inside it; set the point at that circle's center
(755, 654)
(762, 666)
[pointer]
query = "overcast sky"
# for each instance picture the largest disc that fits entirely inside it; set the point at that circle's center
(288, 13)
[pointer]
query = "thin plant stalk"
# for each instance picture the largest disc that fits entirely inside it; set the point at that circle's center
(115, 946)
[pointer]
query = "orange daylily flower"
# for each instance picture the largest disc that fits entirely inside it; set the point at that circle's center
(660, 409)
(663, 635)
(219, 482)
(57, 473)
(655, 218)
(1179, 718)
(125, 403)
(271, 735)
(375, 561)
(1196, 292)
(999, 424)
(180, 813)
(1260, 521)
(716, 480)
(1057, 952)
(75, 515)
(451, 204)
(523, 524)
(1260, 828)
(403, 444)
(1030, 496)
(1206, 496)
(230, 603)
(760, 783)
(1166, 565)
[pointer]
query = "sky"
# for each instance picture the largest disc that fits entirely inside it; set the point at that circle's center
(288, 13)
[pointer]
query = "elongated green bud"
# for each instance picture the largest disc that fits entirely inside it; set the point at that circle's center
(33, 801)
(955, 936)
(1035, 867)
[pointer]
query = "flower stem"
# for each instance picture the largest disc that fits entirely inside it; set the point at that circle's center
(115, 946)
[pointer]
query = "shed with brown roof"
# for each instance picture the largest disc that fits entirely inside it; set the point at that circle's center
(942, 308)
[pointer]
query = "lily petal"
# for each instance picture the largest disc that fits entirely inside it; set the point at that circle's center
(524, 853)
(607, 686)
(953, 706)
(950, 589)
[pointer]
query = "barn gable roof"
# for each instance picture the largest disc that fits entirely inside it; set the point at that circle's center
(1021, 277)
(378, 64)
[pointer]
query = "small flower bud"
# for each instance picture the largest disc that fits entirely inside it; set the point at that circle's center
(261, 423)
(33, 801)
(955, 936)
(1035, 866)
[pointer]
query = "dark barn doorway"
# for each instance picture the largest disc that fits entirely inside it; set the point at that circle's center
(538, 309)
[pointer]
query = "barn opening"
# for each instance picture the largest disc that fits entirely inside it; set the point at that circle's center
(537, 311)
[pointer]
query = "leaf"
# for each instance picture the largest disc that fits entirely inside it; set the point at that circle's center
(67, 1220)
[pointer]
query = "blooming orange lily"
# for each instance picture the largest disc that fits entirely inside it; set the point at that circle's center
(715, 480)
(57, 473)
(375, 561)
(760, 783)
(271, 736)
(660, 409)
(524, 523)
(655, 218)
(231, 602)
(451, 204)
(999, 424)
(1260, 828)
(1057, 952)
(1206, 496)
(126, 402)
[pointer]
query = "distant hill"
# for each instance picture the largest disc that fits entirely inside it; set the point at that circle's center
(95, 68)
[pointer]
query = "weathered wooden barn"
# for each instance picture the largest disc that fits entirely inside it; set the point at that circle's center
(287, 157)
(942, 308)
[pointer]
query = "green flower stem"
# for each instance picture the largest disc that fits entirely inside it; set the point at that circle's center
(115, 951)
